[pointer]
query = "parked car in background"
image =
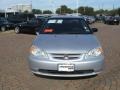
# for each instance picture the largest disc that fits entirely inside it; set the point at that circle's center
(100, 18)
(66, 47)
(89, 19)
(111, 20)
(29, 26)
(21, 17)
(5, 24)
(118, 18)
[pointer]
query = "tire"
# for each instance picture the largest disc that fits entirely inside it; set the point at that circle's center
(117, 24)
(3, 28)
(17, 30)
(105, 22)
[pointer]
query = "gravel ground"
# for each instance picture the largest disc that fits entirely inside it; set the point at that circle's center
(15, 73)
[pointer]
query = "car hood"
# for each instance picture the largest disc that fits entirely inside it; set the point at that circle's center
(66, 43)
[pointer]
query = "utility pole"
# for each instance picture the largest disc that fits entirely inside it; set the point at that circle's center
(113, 7)
(77, 7)
(102, 6)
(84, 9)
(5, 13)
(52, 4)
(60, 10)
(115, 1)
(99, 6)
(31, 5)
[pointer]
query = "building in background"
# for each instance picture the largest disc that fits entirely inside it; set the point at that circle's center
(13, 10)
(20, 8)
(2, 11)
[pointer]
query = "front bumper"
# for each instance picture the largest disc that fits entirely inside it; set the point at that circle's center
(83, 68)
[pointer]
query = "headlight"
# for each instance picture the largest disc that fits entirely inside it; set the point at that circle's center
(37, 52)
(95, 52)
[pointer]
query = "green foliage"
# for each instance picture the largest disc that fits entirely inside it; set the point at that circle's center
(108, 12)
(63, 10)
(86, 10)
(47, 12)
(36, 11)
(118, 11)
(82, 10)
(101, 11)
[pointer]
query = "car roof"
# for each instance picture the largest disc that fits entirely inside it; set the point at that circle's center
(65, 17)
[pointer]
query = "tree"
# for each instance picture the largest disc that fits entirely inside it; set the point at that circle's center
(47, 12)
(80, 10)
(86, 10)
(58, 11)
(101, 11)
(36, 11)
(119, 11)
(64, 9)
(89, 10)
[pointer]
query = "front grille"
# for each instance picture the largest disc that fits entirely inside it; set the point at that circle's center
(66, 56)
(61, 72)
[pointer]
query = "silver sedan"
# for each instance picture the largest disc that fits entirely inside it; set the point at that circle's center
(66, 47)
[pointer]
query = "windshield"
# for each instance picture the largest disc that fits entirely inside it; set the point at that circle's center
(65, 26)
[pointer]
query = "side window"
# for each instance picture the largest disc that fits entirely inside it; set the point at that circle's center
(85, 26)
(32, 21)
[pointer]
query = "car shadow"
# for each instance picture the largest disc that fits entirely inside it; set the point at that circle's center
(65, 78)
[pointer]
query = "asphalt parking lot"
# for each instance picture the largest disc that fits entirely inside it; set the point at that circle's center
(15, 73)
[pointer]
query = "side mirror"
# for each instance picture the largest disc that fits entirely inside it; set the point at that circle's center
(94, 29)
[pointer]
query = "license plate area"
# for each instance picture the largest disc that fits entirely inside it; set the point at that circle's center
(66, 67)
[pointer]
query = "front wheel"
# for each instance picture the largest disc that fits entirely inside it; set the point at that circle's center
(17, 30)
(3, 28)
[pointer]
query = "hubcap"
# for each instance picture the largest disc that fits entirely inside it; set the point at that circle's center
(17, 30)
(2, 29)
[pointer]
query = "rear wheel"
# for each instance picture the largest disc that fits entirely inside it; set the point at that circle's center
(3, 28)
(117, 23)
(104, 22)
(17, 30)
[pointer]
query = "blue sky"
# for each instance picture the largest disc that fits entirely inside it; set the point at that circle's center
(53, 4)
